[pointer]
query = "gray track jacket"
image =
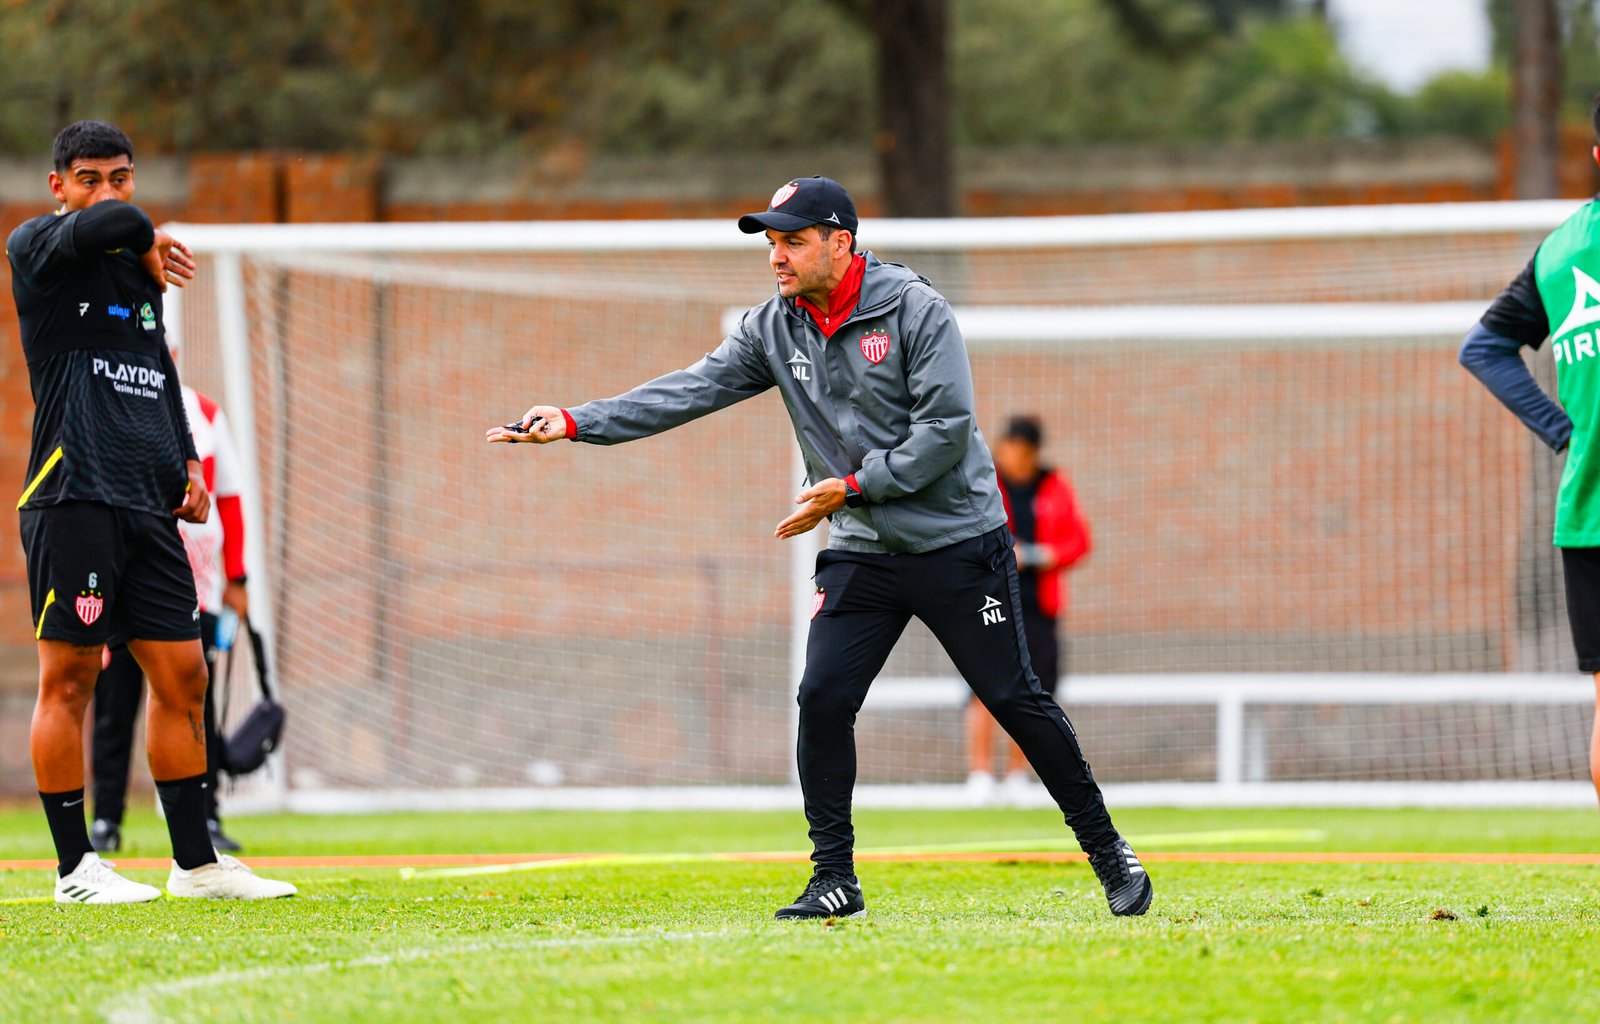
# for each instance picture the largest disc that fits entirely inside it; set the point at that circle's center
(889, 398)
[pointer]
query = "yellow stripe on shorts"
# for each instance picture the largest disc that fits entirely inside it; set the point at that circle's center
(38, 478)
(49, 599)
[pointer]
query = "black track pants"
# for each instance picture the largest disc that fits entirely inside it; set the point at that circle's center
(967, 595)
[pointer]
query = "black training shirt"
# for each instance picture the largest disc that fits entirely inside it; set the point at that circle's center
(105, 390)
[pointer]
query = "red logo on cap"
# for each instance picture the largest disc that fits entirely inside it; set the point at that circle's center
(784, 194)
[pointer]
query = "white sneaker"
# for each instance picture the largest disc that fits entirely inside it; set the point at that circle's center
(227, 879)
(93, 881)
(980, 789)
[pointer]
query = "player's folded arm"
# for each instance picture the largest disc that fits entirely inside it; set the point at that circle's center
(940, 380)
(47, 247)
(42, 249)
(111, 225)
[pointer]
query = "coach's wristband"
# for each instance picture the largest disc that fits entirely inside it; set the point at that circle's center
(853, 498)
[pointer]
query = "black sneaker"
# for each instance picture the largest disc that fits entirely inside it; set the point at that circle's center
(827, 895)
(1127, 886)
(105, 836)
(220, 841)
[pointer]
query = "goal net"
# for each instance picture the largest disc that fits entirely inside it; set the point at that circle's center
(1321, 566)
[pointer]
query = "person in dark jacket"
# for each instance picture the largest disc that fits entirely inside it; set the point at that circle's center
(1051, 537)
(874, 373)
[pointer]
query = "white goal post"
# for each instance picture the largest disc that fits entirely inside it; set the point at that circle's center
(1297, 638)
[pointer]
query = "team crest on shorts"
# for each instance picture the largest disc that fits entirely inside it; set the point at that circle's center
(816, 601)
(875, 346)
(89, 605)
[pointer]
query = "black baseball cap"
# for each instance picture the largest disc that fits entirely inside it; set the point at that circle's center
(802, 203)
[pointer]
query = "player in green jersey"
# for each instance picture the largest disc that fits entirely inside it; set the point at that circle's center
(1557, 297)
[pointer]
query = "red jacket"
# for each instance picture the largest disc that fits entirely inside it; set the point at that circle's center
(1062, 529)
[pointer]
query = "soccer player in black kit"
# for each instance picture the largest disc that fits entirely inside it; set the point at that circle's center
(112, 464)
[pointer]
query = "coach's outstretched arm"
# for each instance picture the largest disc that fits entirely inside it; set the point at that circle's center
(737, 370)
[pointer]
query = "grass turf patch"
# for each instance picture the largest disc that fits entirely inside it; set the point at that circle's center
(942, 941)
(23, 834)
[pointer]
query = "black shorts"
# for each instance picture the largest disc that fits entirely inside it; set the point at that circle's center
(1580, 567)
(99, 574)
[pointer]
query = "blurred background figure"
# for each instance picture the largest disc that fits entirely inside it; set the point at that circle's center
(1052, 536)
(216, 556)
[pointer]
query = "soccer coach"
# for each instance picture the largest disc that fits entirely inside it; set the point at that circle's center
(875, 376)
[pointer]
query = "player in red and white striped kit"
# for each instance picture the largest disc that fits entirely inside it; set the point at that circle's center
(216, 546)
(216, 556)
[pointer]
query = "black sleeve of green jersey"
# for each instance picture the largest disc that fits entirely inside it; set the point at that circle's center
(1519, 313)
(47, 247)
(175, 398)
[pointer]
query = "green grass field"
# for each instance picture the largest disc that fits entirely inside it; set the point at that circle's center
(674, 939)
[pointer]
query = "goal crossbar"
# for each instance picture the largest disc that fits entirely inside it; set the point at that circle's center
(928, 235)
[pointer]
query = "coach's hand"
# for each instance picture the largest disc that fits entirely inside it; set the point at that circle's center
(168, 260)
(196, 507)
(550, 426)
(817, 502)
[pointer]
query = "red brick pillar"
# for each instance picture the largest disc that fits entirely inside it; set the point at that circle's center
(333, 187)
(235, 188)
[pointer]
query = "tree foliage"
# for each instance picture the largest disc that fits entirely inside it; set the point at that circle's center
(479, 77)
(1580, 22)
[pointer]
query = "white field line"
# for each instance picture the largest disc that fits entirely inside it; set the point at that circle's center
(139, 1006)
(1154, 841)
(1216, 837)
(596, 860)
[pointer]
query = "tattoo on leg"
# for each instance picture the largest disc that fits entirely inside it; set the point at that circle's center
(194, 727)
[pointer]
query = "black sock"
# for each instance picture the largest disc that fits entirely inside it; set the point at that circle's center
(64, 812)
(184, 800)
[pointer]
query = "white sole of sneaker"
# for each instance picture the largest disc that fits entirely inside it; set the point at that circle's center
(247, 898)
(824, 917)
(68, 898)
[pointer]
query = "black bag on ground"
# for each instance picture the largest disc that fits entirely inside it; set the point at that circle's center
(259, 734)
